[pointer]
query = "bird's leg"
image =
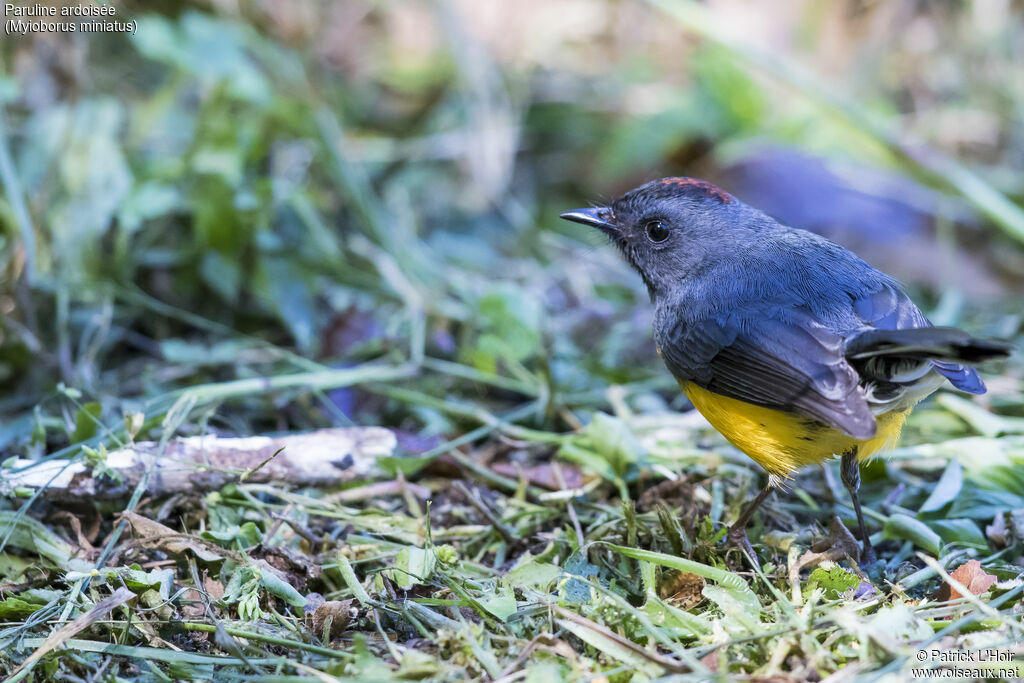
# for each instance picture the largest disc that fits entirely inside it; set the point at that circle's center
(738, 531)
(850, 470)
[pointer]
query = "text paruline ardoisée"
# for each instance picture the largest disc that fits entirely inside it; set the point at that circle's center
(33, 10)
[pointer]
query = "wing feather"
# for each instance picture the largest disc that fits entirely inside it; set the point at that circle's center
(786, 362)
(889, 308)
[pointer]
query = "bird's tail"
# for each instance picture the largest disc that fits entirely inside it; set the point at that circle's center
(888, 354)
(935, 343)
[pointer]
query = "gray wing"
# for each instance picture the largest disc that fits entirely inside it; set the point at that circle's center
(780, 358)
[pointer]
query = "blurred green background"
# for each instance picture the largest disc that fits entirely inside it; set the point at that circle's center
(261, 188)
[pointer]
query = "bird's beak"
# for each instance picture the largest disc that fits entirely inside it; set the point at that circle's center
(597, 217)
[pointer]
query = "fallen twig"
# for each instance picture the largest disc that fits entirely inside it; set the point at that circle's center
(206, 463)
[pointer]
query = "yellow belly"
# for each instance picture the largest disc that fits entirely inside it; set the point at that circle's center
(781, 442)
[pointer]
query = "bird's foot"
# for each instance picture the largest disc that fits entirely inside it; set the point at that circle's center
(867, 555)
(737, 538)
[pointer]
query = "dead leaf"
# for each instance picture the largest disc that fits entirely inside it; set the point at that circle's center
(155, 534)
(997, 530)
(214, 588)
(1006, 528)
(192, 604)
(682, 589)
(672, 492)
(84, 548)
(972, 576)
(838, 545)
(711, 660)
(292, 566)
(341, 613)
(839, 542)
(680, 495)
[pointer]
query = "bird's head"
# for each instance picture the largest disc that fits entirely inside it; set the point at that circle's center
(667, 228)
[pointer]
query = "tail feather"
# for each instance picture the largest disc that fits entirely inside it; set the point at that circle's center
(934, 343)
(898, 355)
(963, 377)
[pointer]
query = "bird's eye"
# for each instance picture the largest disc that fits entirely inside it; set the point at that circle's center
(656, 231)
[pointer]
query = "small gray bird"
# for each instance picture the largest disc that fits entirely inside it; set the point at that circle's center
(791, 346)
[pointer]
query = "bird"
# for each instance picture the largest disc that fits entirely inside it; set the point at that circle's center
(794, 349)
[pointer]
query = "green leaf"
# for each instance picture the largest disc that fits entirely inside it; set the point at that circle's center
(413, 566)
(219, 224)
(947, 488)
(576, 590)
(984, 422)
(284, 287)
(86, 422)
(612, 648)
(245, 536)
(407, 465)
(14, 608)
(613, 441)
(546, 671)
(993, 464)
(676, 622)
(962, 532)
(8, 89)
(834, 581)
(570, 450)
(249, 535)
(156, 579)
(192, 353)
(512, 323)
(96, 177)
(211, 49)
(906, 528)
(728, 90)
(735, 607)
(349, 576)
(13, 568)
(148, 200)
(534, 575)
(279, 587)
(137, 580)
(896, 623)
(28, 534)
(648, 136)
(223, 274)
(501, 603)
